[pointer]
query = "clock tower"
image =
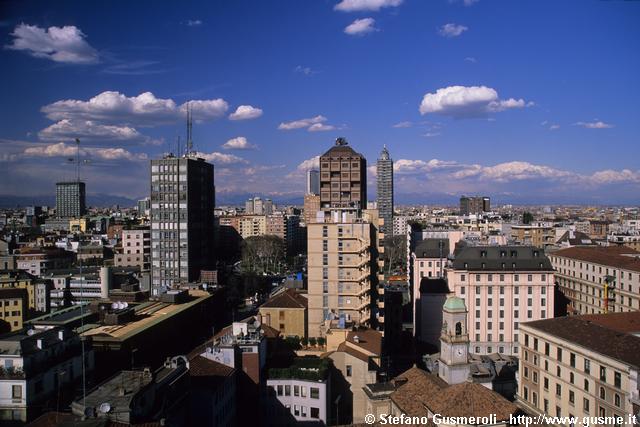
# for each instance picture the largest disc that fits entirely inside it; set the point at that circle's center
(454, 342)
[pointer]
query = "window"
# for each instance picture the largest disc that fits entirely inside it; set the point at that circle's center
(296, 390)
(572, 397)
(586, 384)
(571, 377)
(280, 388)
(296, 410)
(617, 379)
(603, 393)
(304, 411)
(587, 366)
(287, 390)
(559, 354)
(572, 360)
(315, 394)
(349, 370)
(303, 391)
(546, 383)
(462, 290)
(16, 392)
(558, 390)
(616, 400)
(547, 348)
(315, 413)
(603, 373)
(585, 404)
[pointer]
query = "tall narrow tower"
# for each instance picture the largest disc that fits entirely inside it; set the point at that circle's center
(385, 191)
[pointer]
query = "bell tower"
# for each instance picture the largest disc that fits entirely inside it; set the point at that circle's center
(454, 342)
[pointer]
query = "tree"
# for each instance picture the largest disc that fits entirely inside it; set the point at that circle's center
(263, 254)
(395, 253)
(527, 217)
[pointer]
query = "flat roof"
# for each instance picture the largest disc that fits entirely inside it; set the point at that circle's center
(154, 312)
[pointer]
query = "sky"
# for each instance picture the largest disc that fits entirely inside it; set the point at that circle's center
(526, 102)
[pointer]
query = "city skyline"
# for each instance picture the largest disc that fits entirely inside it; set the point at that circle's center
(471, 97)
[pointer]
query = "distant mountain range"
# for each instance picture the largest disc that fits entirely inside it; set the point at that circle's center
(238, 199)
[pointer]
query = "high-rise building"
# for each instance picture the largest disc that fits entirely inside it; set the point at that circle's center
(343, 178)
(70, 199)
(313, 181)
(474, 205)
(182, 204)
(311, 207)
(385, 191)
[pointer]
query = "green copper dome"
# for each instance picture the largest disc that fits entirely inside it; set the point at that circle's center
(455, 304)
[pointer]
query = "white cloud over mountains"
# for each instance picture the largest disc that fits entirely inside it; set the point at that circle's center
(467, 102)
(365, 5)
(59, 44)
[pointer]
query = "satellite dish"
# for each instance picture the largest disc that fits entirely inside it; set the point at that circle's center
(126, 304)
(105, 407)
(114, 305)
(31, 332)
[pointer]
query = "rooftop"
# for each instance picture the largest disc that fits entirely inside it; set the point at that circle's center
(304, 368)
(613, 256)
(608, 334)
(430, 248)
(498, 258)
(288, 298)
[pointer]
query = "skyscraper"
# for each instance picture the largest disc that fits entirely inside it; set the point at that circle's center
(182, 204)
(70, 199)
(385, 191)
(313, 181)
(343, 178)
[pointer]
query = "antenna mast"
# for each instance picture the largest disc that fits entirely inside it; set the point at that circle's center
(78, 161)
(189, 126)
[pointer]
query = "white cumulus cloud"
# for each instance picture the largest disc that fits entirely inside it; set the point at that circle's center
(238, 143)
(245, 112)
(62, 149)
(320, 127)
(302, 123)
(312, 163)
(362, 5)
(467, 101)
(146, 109)
(221, 158)
(360, 27)
(87, 130)
(452, 30)
(60, 44)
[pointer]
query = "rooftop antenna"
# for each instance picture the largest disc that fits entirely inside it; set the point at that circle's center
(189, 126)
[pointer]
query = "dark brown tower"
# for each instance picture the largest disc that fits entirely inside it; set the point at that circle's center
(343, 178)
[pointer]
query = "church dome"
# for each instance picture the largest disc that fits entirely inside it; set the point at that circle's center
(455, 304)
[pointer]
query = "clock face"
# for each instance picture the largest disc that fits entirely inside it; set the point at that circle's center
(460, 352)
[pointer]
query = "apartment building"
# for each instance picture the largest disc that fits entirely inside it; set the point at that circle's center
(598, 279)
(136, 249)
(286, 311)
(37, 290)
(342, 269)
(502, 286)
(583, 366)
(343, 178)
(311, 207)
(13, 309)
(541, 235)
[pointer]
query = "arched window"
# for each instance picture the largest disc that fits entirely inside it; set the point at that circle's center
(459, 328)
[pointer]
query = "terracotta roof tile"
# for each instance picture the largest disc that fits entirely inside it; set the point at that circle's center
(289, 298)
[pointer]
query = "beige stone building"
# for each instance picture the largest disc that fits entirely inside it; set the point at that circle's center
(598, 279)
(343, 178)
(136, 249)
(356, 354)
(252, 225)
(311, 207)
(583, 366)
(13, 309)
(541, 235)
(343, 270)
(287, 312)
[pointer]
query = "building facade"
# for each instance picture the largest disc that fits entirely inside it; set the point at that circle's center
(385, 191)
(343, 178)
(502, 286)
(70, 199)
(136, 249)
(582, 366)
(474, 205)
(182, 224)
(313, 181)
(598, 279)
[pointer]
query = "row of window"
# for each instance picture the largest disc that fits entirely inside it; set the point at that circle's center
(298, 391)
(501, 277)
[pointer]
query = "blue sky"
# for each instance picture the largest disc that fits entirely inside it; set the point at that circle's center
(524, 101)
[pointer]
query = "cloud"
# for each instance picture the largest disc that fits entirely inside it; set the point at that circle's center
(312, 163)
(365, 5)
(405, 124)
(594, 125)
(613, 177)
(313, 124)
(87, 130)
(238, 143)
(360, 27)
(467, 101)
(452, 30)
(59, 44)
(465, 2)
(471, 59)
(245, 112)
(319, 127)
(512, 171)
(221, 158)
(70, 150)
(431, 134)
(112, 107)
(193, 23)
(554, 127)
(307, 71)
